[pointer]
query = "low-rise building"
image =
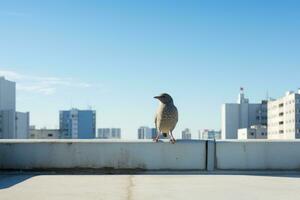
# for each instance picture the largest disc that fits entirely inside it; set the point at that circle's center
(22, 125)
(145, 132)
(209, 134)
(186, 134)
(254, 132)
(44, 133)
(109, 133)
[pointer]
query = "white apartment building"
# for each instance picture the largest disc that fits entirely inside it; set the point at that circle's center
(186, 134)
(242, 115)
(254, 132)
(208, 134)
(284, 117)
(13, 125)
(109, 133)
(44, 133)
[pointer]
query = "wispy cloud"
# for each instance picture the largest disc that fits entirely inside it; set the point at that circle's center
(46, 85)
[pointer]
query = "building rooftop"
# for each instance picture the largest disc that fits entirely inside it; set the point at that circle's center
(110, 169)
(157, 185)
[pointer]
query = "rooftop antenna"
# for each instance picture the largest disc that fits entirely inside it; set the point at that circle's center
(267, 95)
(241, 96)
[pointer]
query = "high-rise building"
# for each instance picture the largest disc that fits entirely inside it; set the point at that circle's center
(208, 134)
(13, 125)
(284, 117)
(77, 124)
(7, 94)
(109, 133)
(242, 115)
(186, 134)
(145, 132)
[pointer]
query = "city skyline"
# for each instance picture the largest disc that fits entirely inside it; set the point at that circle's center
(116, 58)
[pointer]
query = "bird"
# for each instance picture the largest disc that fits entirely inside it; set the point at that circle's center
(166, 117)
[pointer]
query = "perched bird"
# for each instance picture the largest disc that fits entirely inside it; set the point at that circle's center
(166, 116)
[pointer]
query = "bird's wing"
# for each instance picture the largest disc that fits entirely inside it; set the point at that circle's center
(176, 114)
(155, 121)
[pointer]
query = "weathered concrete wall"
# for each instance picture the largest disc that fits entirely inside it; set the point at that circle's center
(47, 154)
(258, 155)
(184, 155)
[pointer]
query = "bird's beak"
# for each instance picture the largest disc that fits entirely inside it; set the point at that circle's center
(156, 97)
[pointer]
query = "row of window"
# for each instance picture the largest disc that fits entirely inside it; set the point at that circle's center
(291, 121)
(286, 131)
(281, 114)
(290, 102)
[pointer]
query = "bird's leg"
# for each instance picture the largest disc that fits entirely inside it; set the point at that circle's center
(172, 138)
(157, 138)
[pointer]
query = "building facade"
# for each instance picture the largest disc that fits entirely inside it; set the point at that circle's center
(77, 124)
(109, 133)
(7, 94)
(209, 134)
(254, 132)
(186, 134)
(13, 125)
(44, 133)
(242, 115)
(145, 132)
(284, 117)
(22, 125)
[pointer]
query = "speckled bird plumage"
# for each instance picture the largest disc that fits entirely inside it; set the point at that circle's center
(167, 115)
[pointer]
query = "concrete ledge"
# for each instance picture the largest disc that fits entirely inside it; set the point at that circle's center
(258, 155)
(101, 154)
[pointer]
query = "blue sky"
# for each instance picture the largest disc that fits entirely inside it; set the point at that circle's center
(116, 55)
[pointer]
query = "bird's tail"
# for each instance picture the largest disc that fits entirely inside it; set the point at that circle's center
(165, 134)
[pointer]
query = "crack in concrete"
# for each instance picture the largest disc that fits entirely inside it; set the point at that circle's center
(129, 187)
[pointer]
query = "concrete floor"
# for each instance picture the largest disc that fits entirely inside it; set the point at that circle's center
(150, 186)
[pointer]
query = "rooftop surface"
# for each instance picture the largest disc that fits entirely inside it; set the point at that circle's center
(157, 185)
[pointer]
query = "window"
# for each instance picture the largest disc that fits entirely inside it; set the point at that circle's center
(281, 105)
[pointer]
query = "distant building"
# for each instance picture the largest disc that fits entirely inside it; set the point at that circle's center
(22, 125)
(109, 133)
(242, 115)
(13, 125)
(254, 132)
(208, 134)
(186, 134)
(77, 124)
(145, 132)
(284, 117)
(7, 94)
(44, 133)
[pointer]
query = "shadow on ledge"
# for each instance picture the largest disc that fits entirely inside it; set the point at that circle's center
(8, 180)
(12, 177)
